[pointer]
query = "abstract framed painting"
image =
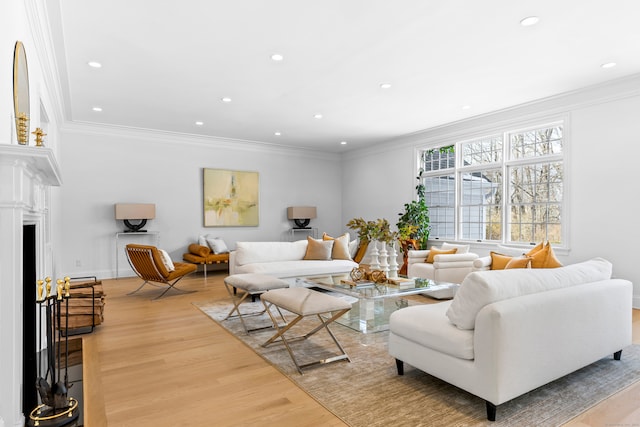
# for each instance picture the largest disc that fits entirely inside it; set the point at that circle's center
(230, 198)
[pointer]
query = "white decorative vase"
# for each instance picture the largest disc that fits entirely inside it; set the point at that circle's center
(374, 261)
(384, 258)
(393, 262)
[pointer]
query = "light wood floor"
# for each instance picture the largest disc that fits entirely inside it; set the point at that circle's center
(164, 363)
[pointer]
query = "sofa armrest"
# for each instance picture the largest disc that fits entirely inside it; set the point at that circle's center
(414, 256)
(482, 263)
(525, 342)
(232, 262)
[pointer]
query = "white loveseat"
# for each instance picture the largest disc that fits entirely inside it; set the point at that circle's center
(452, 268)
(283, 260)
(507, 332)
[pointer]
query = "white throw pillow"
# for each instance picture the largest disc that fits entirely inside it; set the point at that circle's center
(353, 248)
(218, 246)
(166, 260)
(202, 241)
(482, 288)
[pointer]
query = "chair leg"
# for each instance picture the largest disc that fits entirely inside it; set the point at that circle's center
(173, 286)
(139, 287)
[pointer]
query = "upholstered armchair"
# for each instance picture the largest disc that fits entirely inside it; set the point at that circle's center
(447, 263)
(156, 268)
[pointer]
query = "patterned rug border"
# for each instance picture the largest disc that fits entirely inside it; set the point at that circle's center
(550, 405)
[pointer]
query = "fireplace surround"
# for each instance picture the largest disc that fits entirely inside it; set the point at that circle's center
(26, 175)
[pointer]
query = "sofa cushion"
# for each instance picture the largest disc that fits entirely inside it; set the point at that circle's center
(319, 250)
(340, 248)
(252, 252)
(435, 251)
(481, 288)
(428, 326)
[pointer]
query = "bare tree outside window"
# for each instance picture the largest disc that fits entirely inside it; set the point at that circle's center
(507, 187)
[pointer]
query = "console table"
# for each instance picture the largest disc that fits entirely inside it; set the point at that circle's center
(311, 231)
(155, 235)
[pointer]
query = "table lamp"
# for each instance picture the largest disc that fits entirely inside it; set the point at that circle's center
(301, 215)
(135, 212)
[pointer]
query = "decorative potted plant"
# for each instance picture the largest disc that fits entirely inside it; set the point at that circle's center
(413, 224)
(414, 221)
(364, 230)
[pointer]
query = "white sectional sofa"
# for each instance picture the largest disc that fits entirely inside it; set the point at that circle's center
(283, 260)
(507, 332)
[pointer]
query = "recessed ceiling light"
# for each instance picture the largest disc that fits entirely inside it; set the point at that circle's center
(277, 133)
(94, 64)
(199, 123)
(343, 142)
(466, 107)
(529, 21)
(226, 99)
(277, 57)
(385, 85)
(98, 109)
(608, 65)
(317, 116)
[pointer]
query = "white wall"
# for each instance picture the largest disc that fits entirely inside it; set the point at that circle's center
(603, 131)
(104, 166)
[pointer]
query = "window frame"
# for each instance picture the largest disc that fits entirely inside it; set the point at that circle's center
(504, 130)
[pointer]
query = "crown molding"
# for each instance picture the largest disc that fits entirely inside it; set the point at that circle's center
(540, 109)
(167, 137)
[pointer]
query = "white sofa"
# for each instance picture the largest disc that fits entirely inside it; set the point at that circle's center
(452, 268)
(507, 332)
(283, 260)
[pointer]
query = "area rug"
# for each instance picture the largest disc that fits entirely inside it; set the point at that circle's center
(368, 391)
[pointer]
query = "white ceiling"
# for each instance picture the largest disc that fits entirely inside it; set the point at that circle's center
(167, 64)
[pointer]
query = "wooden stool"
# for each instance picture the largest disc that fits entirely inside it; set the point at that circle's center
(250, 284)
(305, 302)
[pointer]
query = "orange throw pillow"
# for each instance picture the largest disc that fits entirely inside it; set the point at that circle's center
(499, 261)
(518, 262)
(433, 252)
(543, 258)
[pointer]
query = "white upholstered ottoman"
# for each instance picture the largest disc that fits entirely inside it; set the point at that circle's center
(249, 284)
(305, 302)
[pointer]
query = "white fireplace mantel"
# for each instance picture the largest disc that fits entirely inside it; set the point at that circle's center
(26, 173)
(40, 161)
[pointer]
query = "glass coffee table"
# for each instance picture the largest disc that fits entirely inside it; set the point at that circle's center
(372, 304)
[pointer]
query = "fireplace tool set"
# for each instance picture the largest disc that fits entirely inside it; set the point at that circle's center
(57, 408)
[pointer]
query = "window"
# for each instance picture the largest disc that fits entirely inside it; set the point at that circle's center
(506, 187)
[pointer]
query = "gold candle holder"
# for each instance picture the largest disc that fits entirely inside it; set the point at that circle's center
(67, 286)
(40, 289)
(39, 133)
(60, 283)
(48, 285)
(22, 124)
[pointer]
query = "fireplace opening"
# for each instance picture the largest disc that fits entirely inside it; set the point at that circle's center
(29, 362)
